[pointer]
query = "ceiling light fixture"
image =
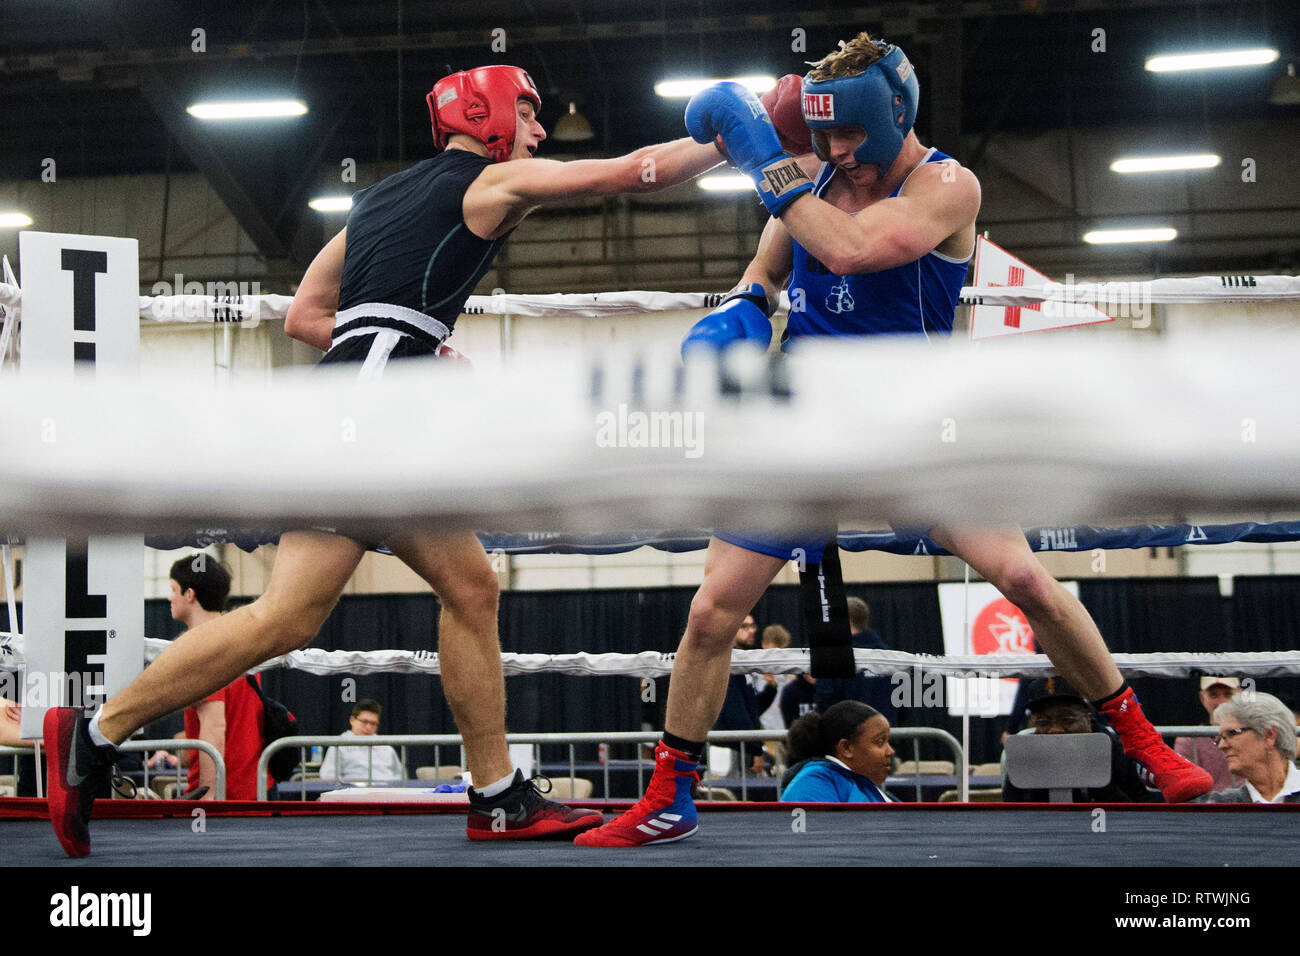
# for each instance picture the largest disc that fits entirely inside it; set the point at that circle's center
(726, 183)
(681, 88)
(1210, 60)
(1160, 164)
(1110, 236)
(331, 203)
(251, 109)
(572, 127)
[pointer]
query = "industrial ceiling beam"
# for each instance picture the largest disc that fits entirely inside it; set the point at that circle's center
(76, 63)
(235, 186)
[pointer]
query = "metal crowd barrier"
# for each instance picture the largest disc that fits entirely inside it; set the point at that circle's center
(742, 737)
(171, 743)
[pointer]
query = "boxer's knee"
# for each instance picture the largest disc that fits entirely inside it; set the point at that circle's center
(1026, 584)
(713, 620)
(276, 628)
(472, 594)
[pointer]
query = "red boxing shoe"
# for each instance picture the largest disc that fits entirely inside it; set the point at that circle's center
(666, 812)
(1176, 777)
(76, 770)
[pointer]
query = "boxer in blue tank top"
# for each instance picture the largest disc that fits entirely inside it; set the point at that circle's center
(915, 298)
(873, 232)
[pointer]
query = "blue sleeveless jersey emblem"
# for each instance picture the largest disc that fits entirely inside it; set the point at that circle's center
(840, 298)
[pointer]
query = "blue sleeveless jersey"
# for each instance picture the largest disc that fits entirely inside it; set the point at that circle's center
(917, 298)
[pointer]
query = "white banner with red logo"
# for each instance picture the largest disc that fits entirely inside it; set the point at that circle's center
(996, 267)
(996, 627)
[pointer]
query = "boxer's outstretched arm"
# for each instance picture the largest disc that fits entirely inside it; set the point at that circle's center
(528, 183)
(939, 200)
(311, 314)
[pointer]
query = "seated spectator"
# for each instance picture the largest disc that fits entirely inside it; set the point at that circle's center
(740, 706)
(873, 691)
(1201, 750)
(1056, 708)
(231, 719)
(1258, 736)
(1018, 718)
(797, 698)
(841, 756)
(769, 686)
(740, 709)
(10, 716)
(368, 764)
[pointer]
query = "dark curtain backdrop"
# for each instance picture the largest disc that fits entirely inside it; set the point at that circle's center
(1139, 615)
(1265, 616)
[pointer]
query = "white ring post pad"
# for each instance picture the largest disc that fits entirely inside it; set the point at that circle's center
(83, 601)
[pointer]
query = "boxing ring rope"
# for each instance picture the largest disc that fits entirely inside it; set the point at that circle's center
(787, 661)
(1206, 424)
(1198, 289)
(1069, 539)
(795, 660)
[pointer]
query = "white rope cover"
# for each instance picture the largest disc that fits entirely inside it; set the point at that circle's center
(251, 309)
(795, 661)
(1030, 434)
(788, 661)
(1200, 289)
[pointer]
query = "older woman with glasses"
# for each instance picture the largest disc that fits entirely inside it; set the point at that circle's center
(1257, 735)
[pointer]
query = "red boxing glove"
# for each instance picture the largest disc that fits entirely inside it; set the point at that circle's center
(448, 353)
(783, 105)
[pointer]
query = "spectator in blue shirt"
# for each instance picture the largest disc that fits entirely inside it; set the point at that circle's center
(841, 756)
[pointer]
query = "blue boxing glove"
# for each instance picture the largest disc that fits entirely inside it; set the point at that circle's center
(731, 111)
(742, 316)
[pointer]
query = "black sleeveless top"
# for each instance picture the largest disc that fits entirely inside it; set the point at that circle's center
(407, 242)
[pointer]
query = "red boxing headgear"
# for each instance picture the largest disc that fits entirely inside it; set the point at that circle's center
(481, 103)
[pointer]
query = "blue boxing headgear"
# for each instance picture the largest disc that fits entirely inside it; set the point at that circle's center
(882, 100)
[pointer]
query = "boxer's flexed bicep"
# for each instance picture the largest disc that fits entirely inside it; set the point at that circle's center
(937, 206)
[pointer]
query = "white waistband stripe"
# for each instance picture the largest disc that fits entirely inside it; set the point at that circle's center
(381, 310)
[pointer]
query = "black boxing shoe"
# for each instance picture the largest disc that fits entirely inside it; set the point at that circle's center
(522, 813)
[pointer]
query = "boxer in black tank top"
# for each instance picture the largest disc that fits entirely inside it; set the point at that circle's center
(391, 284)
(411, 262)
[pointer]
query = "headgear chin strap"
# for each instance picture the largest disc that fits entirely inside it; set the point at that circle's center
(882, 100)
(481, 103)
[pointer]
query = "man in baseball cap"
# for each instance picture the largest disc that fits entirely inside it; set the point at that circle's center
(1201, 751)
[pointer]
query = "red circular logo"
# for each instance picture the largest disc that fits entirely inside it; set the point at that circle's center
(1001, 628)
